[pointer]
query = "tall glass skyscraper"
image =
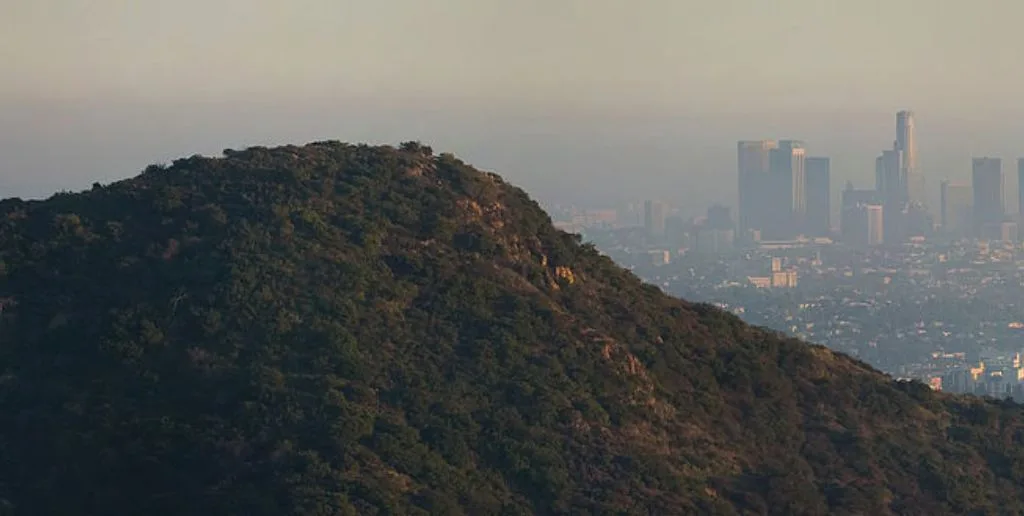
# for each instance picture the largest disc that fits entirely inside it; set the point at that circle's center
(788, 189)
(754, 164)
(819, 191)
(987, 185)
(906, 144)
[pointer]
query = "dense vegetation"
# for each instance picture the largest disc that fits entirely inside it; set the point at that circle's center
(339, 329)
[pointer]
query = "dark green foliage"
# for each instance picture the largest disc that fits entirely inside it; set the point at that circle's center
(339, 329)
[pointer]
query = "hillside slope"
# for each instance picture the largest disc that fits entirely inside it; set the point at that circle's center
(340, 329)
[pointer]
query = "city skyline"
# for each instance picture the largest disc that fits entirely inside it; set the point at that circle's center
(773, 193)
(896, 171)
(697, 193)
(784, 193)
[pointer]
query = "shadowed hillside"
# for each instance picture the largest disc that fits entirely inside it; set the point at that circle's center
(341, 329)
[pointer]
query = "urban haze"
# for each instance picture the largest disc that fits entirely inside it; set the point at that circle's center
(830, 124)
(568, 100)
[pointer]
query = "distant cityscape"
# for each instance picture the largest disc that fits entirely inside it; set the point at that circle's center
(935, 298)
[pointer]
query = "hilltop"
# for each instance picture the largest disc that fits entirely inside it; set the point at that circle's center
(347, 329)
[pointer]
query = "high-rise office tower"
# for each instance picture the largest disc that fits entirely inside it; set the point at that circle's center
(717, 233)
(754, 165)
(655, 213)
(1020, 189)
(858, 223)
(987, 184)
(875, 223)
(957, 203)
(891, 187)
(788, 189)
(819, 207)
(906, 143)
(888, 175)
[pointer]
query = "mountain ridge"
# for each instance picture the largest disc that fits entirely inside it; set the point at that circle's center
(347, 329)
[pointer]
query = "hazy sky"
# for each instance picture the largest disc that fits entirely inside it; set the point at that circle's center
(614, 98)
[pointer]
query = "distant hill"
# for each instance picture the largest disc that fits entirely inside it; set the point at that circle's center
(343, 329)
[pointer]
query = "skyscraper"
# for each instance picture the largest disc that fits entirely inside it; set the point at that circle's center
(906, 143)
(754, 164)
(875, 223)
(957, 203)
(819, 207)
(889, 181)
(888, 176)
(858, 223)
(655, 213)
(1020, 189)
(717, 233)
(987, 183)
(788, 189)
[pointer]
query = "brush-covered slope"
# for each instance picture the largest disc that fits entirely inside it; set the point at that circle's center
(339, 329)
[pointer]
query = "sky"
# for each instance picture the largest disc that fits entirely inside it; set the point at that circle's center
(584, 101)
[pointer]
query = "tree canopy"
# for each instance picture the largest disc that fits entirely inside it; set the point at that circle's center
(347, 329)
